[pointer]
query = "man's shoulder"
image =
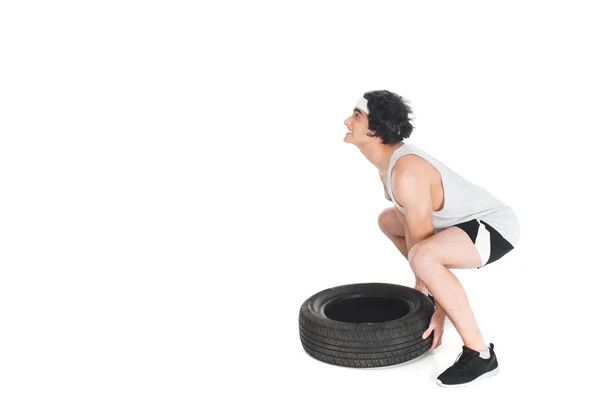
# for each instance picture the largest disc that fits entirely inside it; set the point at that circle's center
(412, 166)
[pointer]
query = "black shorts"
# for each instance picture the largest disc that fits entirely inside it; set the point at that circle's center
(490, 244)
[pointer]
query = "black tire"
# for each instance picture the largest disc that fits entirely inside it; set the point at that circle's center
(366, 325)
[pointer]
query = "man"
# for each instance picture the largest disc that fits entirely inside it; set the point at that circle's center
(439, 221)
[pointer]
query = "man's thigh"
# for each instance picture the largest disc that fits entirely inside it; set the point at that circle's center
(452, 247)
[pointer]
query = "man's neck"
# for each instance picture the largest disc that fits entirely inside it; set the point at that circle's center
(379, 155)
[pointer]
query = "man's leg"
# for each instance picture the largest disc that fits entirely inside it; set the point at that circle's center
(394, 229)
(430, 260)
(392, 224)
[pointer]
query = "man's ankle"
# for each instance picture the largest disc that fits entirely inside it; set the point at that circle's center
(477, 346)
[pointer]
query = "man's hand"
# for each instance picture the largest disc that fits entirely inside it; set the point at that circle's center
(436, 325)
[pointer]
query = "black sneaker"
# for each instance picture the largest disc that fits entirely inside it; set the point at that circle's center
(469, 368)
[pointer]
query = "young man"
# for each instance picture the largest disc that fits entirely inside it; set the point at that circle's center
(439, 221)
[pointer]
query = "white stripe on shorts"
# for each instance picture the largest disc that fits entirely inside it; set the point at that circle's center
(483, 243)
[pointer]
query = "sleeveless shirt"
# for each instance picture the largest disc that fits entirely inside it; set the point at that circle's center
(463, 200)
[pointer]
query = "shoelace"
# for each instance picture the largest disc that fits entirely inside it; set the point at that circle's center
(455, 361)
(463, 359)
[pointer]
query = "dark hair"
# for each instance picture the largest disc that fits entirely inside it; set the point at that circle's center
(388, 116)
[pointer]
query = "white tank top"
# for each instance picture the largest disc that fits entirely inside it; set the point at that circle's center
(463, 201)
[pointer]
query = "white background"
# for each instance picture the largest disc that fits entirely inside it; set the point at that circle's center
(174, 184)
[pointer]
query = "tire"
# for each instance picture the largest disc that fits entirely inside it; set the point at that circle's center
(366, 325)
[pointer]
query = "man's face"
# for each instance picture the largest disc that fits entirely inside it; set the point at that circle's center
(358, 126)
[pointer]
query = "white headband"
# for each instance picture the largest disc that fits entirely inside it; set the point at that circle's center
(362, 104)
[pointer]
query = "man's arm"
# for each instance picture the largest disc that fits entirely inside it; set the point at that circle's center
(412, 190)
(414, 193)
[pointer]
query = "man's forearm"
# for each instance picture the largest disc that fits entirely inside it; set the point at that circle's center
(410, 242)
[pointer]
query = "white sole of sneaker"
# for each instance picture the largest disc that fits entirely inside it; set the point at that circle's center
(486, 375)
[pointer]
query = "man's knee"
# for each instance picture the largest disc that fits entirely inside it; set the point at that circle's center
(421, 258)
(390, 224)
